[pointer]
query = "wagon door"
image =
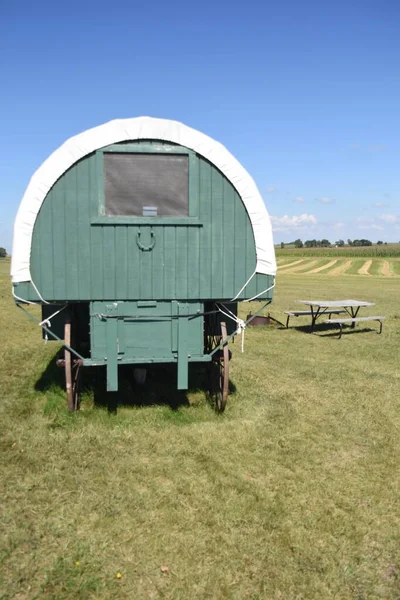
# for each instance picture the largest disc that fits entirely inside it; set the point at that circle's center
(146, 220)
(146, 228)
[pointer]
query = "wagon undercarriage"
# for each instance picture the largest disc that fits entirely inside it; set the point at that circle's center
(92, 338)
(115, 346)
(217, 381)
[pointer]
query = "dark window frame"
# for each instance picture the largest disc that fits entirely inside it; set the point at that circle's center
(148, 148)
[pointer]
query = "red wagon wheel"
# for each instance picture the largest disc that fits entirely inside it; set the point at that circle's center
(72, 371)
(220, 374)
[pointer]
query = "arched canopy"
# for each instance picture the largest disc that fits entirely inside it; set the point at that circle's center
(121, 130)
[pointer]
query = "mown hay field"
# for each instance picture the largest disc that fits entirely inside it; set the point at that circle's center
(294, 493)
(338, 266)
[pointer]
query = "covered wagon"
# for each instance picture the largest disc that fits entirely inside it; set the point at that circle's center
(138, 238)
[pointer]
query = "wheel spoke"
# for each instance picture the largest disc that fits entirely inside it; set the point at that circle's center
(72, 368)
(219, 371)
(68, 366)
(224, 370)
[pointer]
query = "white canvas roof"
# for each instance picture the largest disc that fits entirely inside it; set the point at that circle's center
(121, 130)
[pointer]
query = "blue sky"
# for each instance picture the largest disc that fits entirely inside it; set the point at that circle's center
(304, 93)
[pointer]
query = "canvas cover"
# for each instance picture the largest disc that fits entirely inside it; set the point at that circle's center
(121, 130)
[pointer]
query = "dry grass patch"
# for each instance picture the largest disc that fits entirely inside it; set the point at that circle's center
(385, 269)
(323, 267)
(289, 264)
(304, 266)
(364, 270)
(341, 268)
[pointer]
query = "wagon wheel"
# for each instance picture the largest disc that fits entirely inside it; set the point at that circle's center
(72, 370)
(220, 374)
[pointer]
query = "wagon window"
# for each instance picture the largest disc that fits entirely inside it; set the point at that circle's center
(146, 184)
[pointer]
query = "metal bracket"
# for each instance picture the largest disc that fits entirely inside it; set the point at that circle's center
(232, 335)
(49, 332)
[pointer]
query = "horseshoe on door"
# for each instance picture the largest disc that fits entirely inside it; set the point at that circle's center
(142, 246)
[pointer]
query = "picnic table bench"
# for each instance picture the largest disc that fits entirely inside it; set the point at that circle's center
(355, 320)
(304, 313)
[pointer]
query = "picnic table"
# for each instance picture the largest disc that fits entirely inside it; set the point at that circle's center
(322, 307)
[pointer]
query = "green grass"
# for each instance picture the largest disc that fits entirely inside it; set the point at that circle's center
(292, 494)
(396, 267)
(375, 268)
(355, 266)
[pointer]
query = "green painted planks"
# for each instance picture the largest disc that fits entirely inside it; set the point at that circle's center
(263, 282)
(145, 261)
(46, 279)
(36, 259)
(251, 288)
(56, 202)
(95, 236)
(121, 262)
(157, 264)
(217, 234)
(169, 262)
(133, 263)
(74, 258)
(181, 251)
(239, 247)
(109, 270)
(84, 183)
(71, 233)
(205, 215)
(96, 263)
(228, 265)
(193, 273)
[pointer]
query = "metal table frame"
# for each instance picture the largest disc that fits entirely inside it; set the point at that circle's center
(320, 307)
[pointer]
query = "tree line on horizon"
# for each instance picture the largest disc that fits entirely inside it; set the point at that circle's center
(324, 243)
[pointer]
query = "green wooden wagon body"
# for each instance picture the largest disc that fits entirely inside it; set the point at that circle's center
(142, 241)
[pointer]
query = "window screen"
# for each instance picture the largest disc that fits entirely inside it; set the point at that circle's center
(146, 184)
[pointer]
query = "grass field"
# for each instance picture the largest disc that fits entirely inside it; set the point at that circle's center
(294, 493)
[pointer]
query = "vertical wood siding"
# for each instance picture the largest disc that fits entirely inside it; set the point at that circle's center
(73, 259)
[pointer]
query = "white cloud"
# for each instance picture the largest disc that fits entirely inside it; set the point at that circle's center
(389, 218)
(271, 190)
(325, 200)
(366, 223)
(380, 204)
(371, 226)
(287, 223)
(299, 199)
